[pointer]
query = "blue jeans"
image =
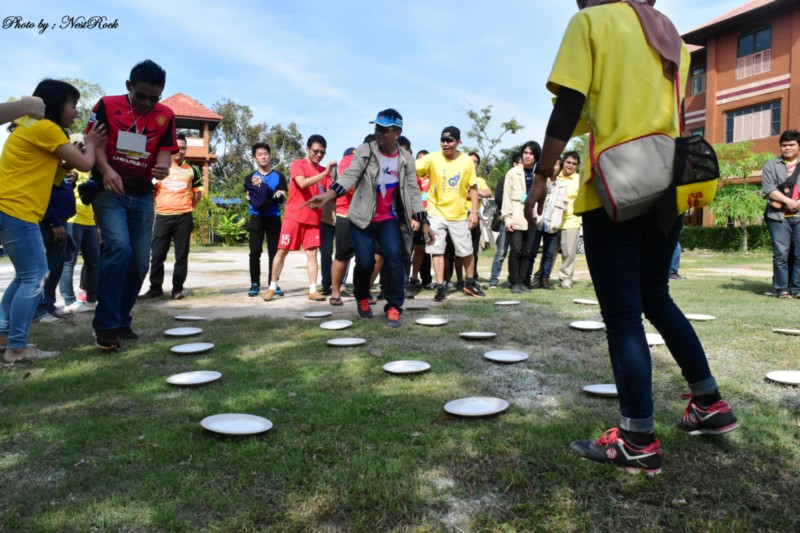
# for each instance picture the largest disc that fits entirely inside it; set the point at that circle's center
(387, 233)
(629, 264)
(785, 234)
(126, 227)
(23, 244)
(499, 256)
(56, 253)
(84, 240)
(549, 242)
(675, 262)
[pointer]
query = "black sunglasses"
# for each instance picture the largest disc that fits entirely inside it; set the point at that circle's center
(139, 95)
(447, 140)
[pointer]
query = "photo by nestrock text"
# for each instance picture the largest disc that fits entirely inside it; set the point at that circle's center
(68, 22)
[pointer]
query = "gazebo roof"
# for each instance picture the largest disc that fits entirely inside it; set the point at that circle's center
(190, 112)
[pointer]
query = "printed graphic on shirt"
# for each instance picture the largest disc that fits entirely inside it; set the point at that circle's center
(386, 186)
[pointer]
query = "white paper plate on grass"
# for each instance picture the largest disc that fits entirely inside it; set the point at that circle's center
(476, 406)
(787, 377)
(786, 331)
(336, 324)
(505, 356)
(478, 335)
(406, 367)
(585, 301)
(508, 302)
(198, 377)
(587, 325)
(193, 348)
(236, 424)
(183, 332)
(654, 339)
(190, 318)
(700, 318)
(602, 389)
(317, 314)
(347, 341)
(431, 321)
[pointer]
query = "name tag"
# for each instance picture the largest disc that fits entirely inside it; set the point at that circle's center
(131, 142)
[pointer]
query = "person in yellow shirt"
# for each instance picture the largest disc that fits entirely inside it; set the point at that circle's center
(616, 74)
(570, 230)
(30, 166)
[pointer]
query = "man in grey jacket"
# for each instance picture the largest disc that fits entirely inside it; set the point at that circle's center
(386, 195)
(783, 215)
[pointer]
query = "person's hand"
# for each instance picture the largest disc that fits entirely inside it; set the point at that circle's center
(330, 166)
(319, 200)
(160, 172)
(536, 197)
(473, 220)
(59, 234)
(509, 227)
(112, 182)
(414, 225)
(34, 106)
(97, 136)
(278, 195)
(430, 236)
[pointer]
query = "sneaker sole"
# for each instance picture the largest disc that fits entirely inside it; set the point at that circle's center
(712, 431)
(112, 348)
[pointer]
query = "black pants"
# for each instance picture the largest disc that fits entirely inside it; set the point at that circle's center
(167, 229)
(521, 255)
(261, 227)
(327, 234)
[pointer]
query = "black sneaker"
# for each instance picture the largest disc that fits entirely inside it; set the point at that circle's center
(255, 289)
(152, 293)
(611, 447)
(107, 340)
(715, 420)
(473, 289)
(459, 286)
(363, 308)
(326, 290)
(441, 293)
(516, 289)
(125, 332)
(178, 295)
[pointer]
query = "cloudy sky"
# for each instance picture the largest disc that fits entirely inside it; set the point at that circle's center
(327, 66)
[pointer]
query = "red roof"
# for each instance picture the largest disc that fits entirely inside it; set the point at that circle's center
(186, 107)
(749, 6)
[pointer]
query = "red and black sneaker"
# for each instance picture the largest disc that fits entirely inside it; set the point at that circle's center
(715, 420)
(611, 447)
(363, 308)
(393, 317)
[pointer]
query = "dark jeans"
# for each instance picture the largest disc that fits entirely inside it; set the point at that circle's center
(56, 253)
(521, 255)
(629, 264)
(177, 229)
(261, 228)
(84, 240)
(327, 233)
(549, 243)
(785, 235)
(387, 233)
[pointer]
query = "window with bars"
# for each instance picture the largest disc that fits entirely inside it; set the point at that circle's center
(754, 55)
(754, 122)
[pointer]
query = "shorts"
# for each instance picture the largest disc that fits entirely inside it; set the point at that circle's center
(419, 237)
(296, 234)
(344, 244)
(459, 234)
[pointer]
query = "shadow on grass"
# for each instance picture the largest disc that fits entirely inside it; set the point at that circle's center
(748, 285)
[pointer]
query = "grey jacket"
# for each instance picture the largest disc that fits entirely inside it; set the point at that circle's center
(407, 199)
(773, 174)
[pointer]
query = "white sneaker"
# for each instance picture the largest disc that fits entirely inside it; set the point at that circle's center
(62, 312)
(80, 307)
(47, 318)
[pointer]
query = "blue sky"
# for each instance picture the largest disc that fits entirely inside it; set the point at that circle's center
(327, 66)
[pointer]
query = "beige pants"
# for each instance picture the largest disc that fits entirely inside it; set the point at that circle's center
(569, 249)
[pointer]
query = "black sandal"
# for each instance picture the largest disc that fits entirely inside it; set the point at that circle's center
(335, 300)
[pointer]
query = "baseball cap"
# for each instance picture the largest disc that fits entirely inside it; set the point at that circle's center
(389, 118)
(452, 131)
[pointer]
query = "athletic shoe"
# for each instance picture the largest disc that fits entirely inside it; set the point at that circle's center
(611, 447)
(278, 292)
(441, 294)
(715, 420)
(62, 312)
(516, 289)
(393, 317)
(46, 318)
(178, 295)
(107, 340)
(344, 293)
(431, 286)
(492, 286)
(450, 287)
(473, 289)
(268, 295)
(125, 332)
(326, 290)
(80, 307)
(28, 354)
(255, 288)
(566, 283)
(316, 297)
(152, 293)
(363, 308)
(459, 286)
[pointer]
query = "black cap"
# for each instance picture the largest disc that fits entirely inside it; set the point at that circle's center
(452, 131)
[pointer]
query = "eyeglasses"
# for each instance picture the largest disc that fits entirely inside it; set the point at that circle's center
(317, 152)
(382, 129)
(447, 140)
(139, 95)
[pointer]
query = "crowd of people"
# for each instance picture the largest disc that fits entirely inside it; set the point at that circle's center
(397, 216)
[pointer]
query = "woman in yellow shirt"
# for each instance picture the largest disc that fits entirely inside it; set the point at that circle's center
(29, 167)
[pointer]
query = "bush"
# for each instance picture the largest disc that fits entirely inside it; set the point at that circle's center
(727, 239)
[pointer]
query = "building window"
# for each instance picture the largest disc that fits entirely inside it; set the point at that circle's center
(699, 80)
(699, 132)
(755, 53)
(753, 122)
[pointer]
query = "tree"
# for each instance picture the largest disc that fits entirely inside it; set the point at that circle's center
(486, 142)
(90, 94)
(579, 144)
(738, 203)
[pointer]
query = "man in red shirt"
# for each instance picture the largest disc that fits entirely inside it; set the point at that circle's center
(141, 141)
(301, 223)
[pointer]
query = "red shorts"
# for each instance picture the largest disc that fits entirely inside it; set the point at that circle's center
(295, 234)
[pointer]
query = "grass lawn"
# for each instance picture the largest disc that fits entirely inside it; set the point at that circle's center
(98, 442)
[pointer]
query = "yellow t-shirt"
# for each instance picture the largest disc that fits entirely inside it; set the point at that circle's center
(450, 180)
(28, 170)
(604, 55)
(570, 219)
(84, 214)
(479, 183)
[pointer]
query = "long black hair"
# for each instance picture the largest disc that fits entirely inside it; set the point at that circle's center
(55, 94)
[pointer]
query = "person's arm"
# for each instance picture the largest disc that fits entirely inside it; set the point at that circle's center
(345, 181)
(27, 105)
(304, 182)
(499, 192)
(84, 160)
